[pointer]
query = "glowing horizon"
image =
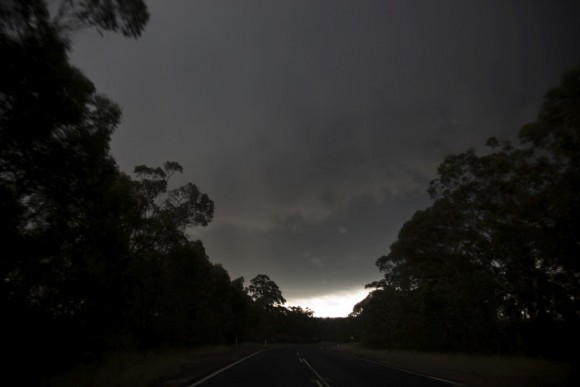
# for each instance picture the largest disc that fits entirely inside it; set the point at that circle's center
(338, 304)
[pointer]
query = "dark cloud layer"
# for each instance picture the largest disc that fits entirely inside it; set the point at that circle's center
(316, 125)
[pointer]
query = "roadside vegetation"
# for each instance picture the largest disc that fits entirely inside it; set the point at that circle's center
(164, 368)
(493, 265)
(97, 261)
(473, 370)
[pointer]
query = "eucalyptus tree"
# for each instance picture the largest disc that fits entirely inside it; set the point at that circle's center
(496, 256)
(265, 292)
(58, 225)
(171, 275)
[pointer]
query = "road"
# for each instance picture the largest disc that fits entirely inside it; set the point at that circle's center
(310, 366)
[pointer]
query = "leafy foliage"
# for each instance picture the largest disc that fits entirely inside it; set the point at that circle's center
(265, 292)
(96, 260)
(128, 17)
(62, 273)
(494, 262)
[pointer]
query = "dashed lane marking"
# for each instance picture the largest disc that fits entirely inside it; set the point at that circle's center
(320, 379)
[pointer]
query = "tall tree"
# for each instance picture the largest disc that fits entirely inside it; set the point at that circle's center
(265, 292)
(496, 255)
(163, 215)
(168, 271)
(268, 312)
(56, 176)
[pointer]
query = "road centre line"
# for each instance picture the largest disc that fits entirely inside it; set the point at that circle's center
(316, 373)
(320, 378)
(223, 369)
(318, 383)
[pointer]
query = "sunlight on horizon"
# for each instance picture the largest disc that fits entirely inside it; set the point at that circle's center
(337, 304)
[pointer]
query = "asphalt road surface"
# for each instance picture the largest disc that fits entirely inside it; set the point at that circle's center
(308, 366)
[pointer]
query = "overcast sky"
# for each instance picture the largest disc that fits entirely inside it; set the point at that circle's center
(316, 126)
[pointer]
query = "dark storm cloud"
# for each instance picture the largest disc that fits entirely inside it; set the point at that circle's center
(315, 257)
(316, 125)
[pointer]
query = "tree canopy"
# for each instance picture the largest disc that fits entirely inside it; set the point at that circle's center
(494, 262)
(97, 260)
(265, 292)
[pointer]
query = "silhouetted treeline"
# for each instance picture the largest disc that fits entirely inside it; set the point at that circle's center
(336, 330)
(95, 260)
(494, 264)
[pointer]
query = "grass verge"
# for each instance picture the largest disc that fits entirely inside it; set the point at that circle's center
(475, 370)
(156, 369)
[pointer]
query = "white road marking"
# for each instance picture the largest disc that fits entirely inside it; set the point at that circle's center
(320, 379)
(403, 370)
(317, 382)
(223, 369)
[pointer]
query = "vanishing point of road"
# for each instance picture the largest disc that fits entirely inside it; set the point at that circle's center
(310, 366)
